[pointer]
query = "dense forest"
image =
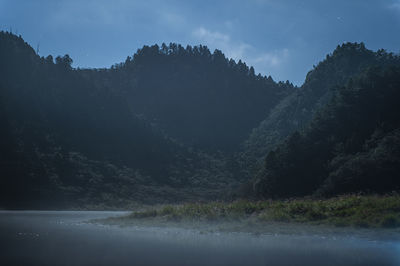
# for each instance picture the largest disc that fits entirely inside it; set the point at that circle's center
(351, 145)
(296, 110)
(193, 95)
(67, 141)
(182, 124)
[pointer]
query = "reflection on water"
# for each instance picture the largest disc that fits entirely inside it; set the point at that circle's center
(49, 238)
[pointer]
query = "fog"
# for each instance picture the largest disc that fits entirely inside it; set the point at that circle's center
(276, 122)
(65, 238)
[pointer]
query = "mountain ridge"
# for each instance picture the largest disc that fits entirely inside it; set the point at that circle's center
(169, 124)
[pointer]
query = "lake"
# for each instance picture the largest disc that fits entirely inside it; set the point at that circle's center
(66, 238)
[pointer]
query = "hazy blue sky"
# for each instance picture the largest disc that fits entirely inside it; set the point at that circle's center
(280, 38)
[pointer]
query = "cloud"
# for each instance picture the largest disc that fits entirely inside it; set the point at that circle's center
(271, 59)
(223, 42)
(395, 5)
(263, 61)
(211, 37)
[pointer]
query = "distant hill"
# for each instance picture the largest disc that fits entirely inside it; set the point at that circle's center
(64, 139)
(200, 98)
(184, 124)
(351, 145)
(296, 110)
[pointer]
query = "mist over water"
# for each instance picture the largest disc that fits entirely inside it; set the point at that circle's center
(65, 238)
(255, 133)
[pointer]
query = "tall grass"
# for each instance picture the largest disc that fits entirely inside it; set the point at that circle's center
(351, 210)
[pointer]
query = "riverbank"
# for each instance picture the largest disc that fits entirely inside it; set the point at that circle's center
(352, 211)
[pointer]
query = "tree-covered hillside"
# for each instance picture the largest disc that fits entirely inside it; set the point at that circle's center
(296, 110)
(168, 123)
(351, 145)
(197, 97)
(65, 139)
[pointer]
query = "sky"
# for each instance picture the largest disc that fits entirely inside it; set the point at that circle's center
(281, 38)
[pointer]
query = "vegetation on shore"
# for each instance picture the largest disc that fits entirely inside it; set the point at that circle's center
(351, 210)
(139, 132)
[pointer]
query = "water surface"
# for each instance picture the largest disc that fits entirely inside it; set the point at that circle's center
(65, 238)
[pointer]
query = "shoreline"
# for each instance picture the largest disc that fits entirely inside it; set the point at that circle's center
(367, 215)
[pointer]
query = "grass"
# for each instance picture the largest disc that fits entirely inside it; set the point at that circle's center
(342, 211)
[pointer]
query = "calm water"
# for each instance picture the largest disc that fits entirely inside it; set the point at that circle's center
(64, 238)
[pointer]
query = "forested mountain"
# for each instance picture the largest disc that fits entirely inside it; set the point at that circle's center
(63, 138)
(197, 97)
(50, 111)
(296, 110)
(168, 124)
(351, 145)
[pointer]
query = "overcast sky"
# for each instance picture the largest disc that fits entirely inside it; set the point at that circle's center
(281, 38)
